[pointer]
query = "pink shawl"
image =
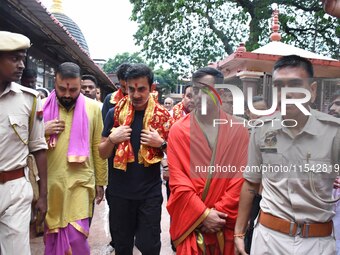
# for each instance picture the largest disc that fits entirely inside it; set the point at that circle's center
(78, 148)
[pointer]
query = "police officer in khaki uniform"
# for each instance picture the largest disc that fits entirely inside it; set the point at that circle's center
(17, 140)
(296, 161)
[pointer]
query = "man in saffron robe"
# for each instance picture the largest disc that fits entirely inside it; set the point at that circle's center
(76, 173)
(203, 204)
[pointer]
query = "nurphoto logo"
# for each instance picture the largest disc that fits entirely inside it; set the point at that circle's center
(238, 100)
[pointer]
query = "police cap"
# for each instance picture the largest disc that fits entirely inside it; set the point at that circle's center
(12, 41)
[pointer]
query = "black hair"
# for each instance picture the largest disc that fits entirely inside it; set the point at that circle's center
(186, 87)
(295, 61)
(336, 95)
(68, 70)
(218, 75)
(121, 70)
(29, 73)
(136, 71)
(91, 78)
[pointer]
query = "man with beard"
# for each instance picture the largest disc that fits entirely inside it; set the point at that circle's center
(113, 98)
(203, 206)
(21, 132)
(134, 139)
(334, 108)
(185, 106)
(76, 173)
(296, 207)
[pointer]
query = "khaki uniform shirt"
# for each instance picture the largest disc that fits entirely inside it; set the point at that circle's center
(286, 185)
(16, 142)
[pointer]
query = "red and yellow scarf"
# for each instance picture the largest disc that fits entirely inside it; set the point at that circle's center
(155, 116)
(154, 94)
(178, 111)
(116, 96)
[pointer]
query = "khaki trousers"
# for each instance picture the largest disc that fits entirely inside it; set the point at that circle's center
(267, 241)
(15, 213)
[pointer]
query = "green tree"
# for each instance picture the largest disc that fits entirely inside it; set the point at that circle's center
(165, 78)
(112, 64)
(195, 32)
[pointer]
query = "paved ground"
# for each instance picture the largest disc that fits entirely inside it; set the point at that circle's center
(99, 233)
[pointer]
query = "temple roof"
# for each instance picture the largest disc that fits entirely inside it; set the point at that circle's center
(283, 49)
(74, 29)
(263, 58)
(50, 39)
(58, 12)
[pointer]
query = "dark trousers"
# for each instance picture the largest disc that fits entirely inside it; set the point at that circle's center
(167, 190)
(111, 205)
(136, 222)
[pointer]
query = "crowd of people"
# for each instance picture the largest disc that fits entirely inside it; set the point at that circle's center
(267, 188)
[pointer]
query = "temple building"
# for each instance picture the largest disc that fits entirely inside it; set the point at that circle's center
(253, 69)
(55, 39)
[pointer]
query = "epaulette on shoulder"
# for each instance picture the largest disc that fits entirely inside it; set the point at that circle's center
(324, 117)
(28, 90)
(265, 119)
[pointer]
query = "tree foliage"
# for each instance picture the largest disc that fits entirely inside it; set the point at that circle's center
(195, 32)
(112, 64)
(165, 78)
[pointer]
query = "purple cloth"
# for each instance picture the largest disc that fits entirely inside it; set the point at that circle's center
(78, 148)
(69, 240)
(336, 220)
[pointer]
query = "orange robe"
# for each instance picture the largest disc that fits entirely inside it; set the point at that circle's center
(187, 150)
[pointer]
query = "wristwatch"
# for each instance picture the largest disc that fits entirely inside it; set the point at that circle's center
(163, 145)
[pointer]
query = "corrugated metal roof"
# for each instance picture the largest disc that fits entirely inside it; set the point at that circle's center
(74, 29)
(50, 30)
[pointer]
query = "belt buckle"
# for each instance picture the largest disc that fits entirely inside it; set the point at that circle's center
(297, 231)
(305, 230)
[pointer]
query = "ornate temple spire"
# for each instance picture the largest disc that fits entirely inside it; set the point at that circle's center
(275, 36)
(241, 48)
(57, 6)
